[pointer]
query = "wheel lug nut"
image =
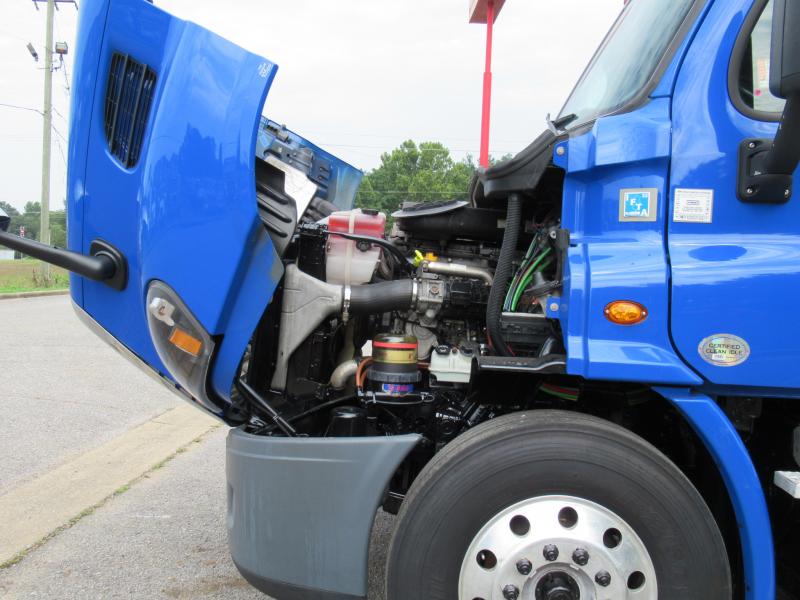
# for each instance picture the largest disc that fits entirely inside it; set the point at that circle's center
(524, 566)
(603, 578)
(550, 552)
(580, 557)
(511, 592)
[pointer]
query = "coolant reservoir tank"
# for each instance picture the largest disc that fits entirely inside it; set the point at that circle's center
(347, 261)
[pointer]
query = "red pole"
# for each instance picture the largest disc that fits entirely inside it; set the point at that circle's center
(487, 88)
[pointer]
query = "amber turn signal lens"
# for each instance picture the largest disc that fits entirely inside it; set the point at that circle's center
(185, 342)
(625, 312)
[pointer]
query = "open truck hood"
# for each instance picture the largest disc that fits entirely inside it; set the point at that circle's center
(166, 133)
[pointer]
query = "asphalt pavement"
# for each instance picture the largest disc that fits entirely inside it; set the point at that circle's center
(62, 390)
(65, 395)
(164, 538)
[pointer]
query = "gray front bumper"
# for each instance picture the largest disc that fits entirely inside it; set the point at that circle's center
(300, 510)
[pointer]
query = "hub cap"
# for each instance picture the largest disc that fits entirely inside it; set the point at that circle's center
(557, 548)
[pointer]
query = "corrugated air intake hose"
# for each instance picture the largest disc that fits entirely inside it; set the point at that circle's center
(502, 275)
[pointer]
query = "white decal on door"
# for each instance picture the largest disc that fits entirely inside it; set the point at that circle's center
(693, 206)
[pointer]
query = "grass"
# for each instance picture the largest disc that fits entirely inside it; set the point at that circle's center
(25, 276)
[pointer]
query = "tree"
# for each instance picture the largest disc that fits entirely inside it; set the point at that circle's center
(415, 173)
(30, 220)
(9, 210)
(421, 173)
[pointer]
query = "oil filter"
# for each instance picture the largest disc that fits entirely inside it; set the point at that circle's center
(394, 363)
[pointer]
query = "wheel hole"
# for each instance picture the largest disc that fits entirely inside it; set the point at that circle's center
(520, 525)
(486, 559)
(636, 580)
(612, 538)
(568, 517)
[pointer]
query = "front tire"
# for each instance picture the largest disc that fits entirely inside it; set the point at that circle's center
(557, 503)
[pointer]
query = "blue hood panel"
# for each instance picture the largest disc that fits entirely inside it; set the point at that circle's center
(185, 213)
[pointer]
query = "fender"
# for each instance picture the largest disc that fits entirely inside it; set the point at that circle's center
(744, 487)
(300, 510)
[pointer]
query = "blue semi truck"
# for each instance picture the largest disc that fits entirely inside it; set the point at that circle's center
(579, 380)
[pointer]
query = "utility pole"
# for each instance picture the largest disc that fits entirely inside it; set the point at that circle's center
(47, 113)
(44, 221)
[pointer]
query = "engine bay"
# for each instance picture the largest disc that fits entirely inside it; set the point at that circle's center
(430, 320)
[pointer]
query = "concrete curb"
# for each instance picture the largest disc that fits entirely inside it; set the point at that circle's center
(16, 295)
(34, 510)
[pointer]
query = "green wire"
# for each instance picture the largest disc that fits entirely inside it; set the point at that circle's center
(518, 279)
(560, 395)
(539, 269)
(527, 278)
(523, 265)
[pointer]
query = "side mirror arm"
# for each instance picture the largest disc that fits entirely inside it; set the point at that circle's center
(766, 166)
(104, 263)
(784, 155)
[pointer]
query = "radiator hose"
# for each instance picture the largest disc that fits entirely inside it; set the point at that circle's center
(502, 275)
(381, 297)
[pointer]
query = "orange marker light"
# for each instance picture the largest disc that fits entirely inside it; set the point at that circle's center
(185, 342)
(625, 312)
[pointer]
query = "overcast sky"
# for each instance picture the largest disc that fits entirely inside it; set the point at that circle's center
(357, 77)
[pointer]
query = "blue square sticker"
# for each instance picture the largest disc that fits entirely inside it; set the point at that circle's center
(638, 205)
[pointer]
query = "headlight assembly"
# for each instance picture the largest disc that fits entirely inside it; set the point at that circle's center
(183, 345)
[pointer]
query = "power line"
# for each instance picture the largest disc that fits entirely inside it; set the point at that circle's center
(58, 112)
(66, 78)
(36, 110)
(61, 151)
(59, 133)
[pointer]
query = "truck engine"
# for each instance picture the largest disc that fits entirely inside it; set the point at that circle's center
(403, 323)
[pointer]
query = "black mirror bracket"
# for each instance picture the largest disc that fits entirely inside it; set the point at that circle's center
(766, 166)
(754, 185)
(102, 249)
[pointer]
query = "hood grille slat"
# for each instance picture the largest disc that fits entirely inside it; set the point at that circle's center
(129, 95)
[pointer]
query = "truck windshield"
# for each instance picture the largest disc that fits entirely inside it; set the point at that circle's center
(627, 59)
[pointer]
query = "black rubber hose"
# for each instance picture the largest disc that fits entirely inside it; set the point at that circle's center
(381, 297)
(401, 260)
(502, 275)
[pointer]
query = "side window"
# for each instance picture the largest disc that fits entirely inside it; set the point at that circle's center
(754, 73)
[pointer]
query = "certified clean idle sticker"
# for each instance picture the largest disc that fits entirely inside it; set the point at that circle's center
(724, 350)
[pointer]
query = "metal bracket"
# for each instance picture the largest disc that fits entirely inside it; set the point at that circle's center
(753, 185)
(789, 482)
(119, 280)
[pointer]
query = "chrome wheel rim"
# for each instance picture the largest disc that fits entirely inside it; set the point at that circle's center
(557, 548)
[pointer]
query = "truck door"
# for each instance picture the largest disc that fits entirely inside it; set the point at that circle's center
(162, 168)
(735, 263)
